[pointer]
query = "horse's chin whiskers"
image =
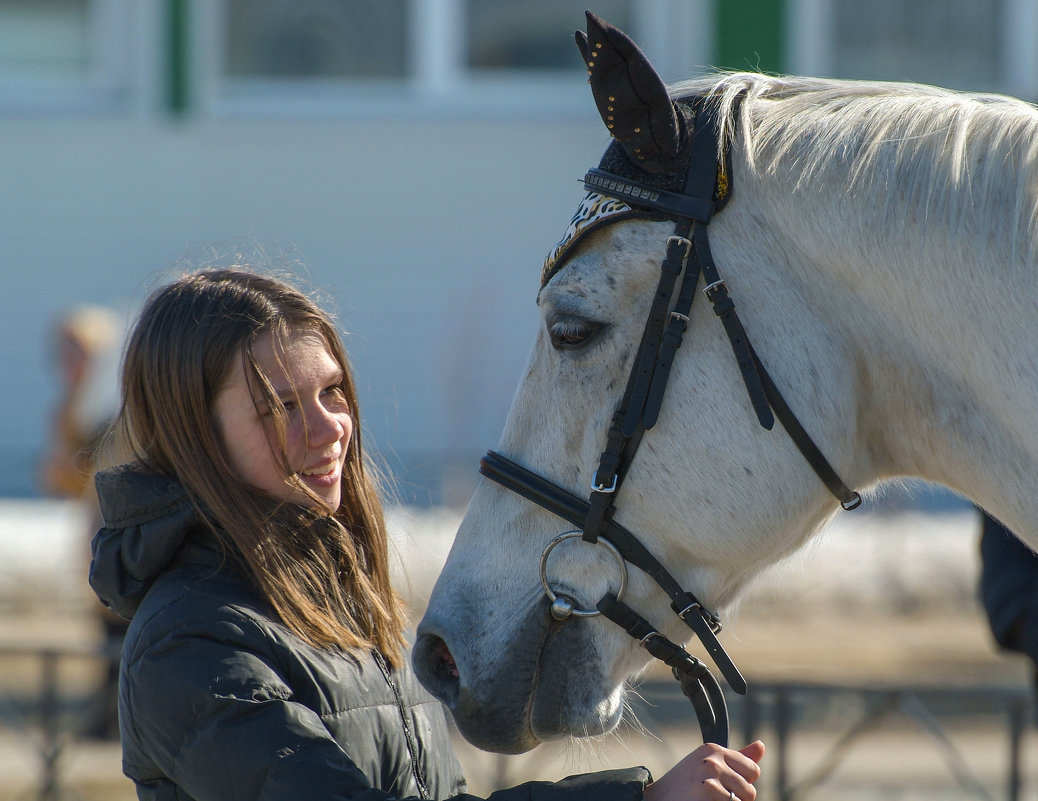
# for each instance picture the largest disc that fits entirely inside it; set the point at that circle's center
(590, 748)
(630, 724)
(581, 753)
(630, 721)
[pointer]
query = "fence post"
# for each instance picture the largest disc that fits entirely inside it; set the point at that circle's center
(1017, 719)
(783, 722)
(750, 717)
(50, 789)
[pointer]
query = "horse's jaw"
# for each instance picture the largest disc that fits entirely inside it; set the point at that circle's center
(509, 693)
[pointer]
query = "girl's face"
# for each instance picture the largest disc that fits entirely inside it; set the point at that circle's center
(307, 379)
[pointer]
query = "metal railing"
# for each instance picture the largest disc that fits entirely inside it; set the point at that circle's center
(812, 730)
(782, 711)
(42, 719)
(1013, 707)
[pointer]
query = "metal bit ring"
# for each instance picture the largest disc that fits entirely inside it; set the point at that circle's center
(560, 607)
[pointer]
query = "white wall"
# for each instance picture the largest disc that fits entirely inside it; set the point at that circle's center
(429, 233)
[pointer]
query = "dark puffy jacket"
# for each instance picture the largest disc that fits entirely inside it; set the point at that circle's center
(1009, 588)
(218, 700)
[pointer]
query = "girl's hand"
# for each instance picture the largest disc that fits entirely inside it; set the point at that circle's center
(711, 773)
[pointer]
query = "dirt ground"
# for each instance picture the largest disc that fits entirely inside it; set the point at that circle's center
(881, 602)
(898, 759)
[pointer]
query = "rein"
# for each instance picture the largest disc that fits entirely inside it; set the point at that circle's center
(706, 191)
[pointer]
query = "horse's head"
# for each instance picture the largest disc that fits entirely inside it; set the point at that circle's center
(712, 494)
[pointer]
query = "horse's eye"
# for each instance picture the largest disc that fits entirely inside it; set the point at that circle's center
(571, 333)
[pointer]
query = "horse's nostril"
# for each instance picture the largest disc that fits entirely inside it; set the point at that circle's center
(445, 660)
(435, 667)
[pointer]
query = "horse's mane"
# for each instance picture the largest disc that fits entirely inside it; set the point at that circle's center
(944, 153)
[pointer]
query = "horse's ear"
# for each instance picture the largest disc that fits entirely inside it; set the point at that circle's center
(581, 39)
(632, 98)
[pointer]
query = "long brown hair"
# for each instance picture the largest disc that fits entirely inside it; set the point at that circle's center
(326, 576)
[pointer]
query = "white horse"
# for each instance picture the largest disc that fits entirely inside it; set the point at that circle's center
(881, 245)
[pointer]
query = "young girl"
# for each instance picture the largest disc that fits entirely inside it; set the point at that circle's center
(265, 656)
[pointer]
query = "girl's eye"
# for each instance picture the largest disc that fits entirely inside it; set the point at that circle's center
(572, 333)
(336, 398)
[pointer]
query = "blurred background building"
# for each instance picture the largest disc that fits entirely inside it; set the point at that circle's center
(415, 160)
(417, 157)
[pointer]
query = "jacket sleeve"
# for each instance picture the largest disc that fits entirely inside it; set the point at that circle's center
(1009, 588)
(212, 716)
(627, 784)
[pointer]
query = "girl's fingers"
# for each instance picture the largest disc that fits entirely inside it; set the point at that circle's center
(754, 751)
(739, 787)
(744, 761)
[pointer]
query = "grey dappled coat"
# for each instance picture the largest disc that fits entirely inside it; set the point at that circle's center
(219, 701)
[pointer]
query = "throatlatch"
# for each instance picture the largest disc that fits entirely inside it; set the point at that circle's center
(668, 162)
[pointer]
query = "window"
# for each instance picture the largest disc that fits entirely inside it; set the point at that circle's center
(305, 39)
(359, 56)
(979, 45)
(532, 34)
(950, 42)
(44, 38)
(70, 55)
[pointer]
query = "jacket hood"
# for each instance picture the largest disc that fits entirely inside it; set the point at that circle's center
(148, 519)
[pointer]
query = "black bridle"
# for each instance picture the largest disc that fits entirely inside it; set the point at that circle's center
(706, 191)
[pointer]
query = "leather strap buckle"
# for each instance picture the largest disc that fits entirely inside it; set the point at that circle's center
(597, 486)
(684, 243)
(713, 286)
(712, 620)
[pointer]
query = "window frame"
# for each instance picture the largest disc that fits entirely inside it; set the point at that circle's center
(119, 77)
(810, 44)
(438, 82)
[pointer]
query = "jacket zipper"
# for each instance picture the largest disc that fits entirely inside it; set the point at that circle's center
(412, 746)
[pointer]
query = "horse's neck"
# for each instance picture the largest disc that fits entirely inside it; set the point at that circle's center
(947, 394)
(947, 367)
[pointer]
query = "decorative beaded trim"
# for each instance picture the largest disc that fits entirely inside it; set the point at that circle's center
(595, 211)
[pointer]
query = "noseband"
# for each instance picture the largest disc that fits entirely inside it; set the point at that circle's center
(706, 191)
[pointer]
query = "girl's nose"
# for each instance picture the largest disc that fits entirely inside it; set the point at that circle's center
(327, 425)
